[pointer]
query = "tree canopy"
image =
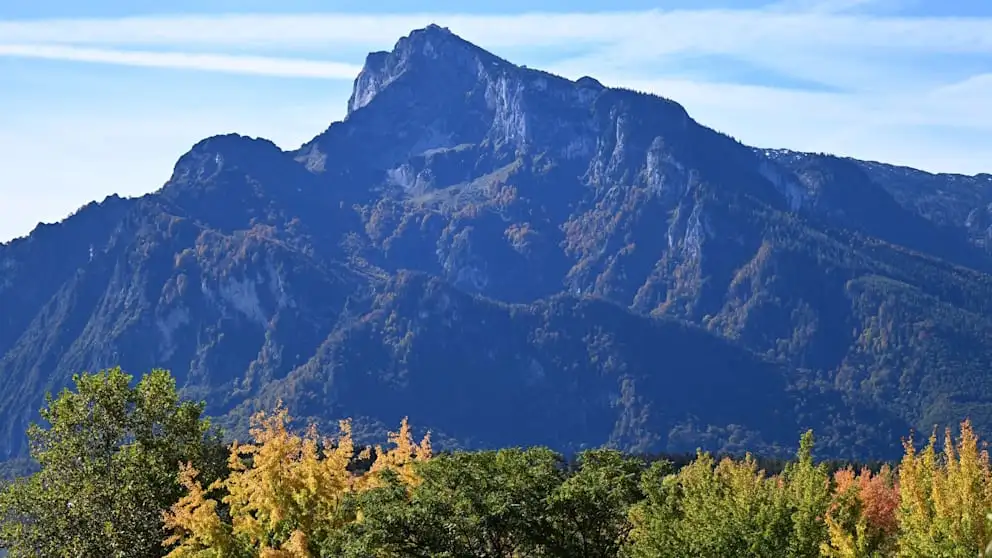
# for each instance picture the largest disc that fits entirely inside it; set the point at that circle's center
(109, 456)
(130, 470)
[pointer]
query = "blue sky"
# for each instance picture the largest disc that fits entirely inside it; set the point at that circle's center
(103, 96)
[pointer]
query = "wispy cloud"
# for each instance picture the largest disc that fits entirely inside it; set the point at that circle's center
(824, 6)
(811, 39)
(261, 65)
(908, 90)
(817, 24)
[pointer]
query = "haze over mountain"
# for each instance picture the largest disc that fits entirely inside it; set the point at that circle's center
(511, 257)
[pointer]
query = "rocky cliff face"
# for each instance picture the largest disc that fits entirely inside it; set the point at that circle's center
(508, 257)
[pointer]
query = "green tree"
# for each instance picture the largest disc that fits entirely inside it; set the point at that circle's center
(488, 504)
(589, 511)
(109, 460)
(711, 510)
(809, 494)
(656, 520)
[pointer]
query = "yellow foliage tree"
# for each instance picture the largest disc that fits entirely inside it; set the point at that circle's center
(945, 498)
(194, 522)
(284, 491)
(400, 458)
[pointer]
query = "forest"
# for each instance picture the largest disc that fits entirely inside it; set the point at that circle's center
(126, 468)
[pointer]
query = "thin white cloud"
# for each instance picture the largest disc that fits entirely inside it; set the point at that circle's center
(815, 40)
(258, 65)
(704, 30)
(881, 99)
(822, 6)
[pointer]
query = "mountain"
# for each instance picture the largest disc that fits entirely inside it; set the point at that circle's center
(510, 257)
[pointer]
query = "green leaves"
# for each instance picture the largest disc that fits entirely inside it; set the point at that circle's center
(732, 508)
(809, 494)
(711, 510)
(503, 504)
(486, 504)
(109, 456)
(589, 509)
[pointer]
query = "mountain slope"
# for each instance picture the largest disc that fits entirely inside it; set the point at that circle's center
(508, 256)
(566, 372)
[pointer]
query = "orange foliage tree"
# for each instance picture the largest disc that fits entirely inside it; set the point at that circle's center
(861, 521)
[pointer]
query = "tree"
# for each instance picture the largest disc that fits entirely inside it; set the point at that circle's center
(809, 494)
(287, 495)
(732, 508)
(712, 510)
(109, 460)
(945, 498)
(861, 521)
(588, 512)
(486, 504)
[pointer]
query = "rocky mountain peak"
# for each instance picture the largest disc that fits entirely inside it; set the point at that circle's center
(589, 83)
(434, 52)
(436, 91)
(209, 156)
(348, 277)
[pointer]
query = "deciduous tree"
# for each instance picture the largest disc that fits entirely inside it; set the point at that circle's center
(109, 456)
(287, 495)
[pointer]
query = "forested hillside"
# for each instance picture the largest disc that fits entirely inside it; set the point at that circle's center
(514, 258)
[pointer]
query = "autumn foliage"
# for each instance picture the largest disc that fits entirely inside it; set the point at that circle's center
(162, 483)
(862, 520)
(299, 496)
(285, 493)
(945, 497)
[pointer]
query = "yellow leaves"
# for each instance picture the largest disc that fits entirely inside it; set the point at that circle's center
(843, 543)
(288, 495)
(194, 521)
(284, 477)
(400, 458)
(295, 547)
(945, 498)
(283, 487)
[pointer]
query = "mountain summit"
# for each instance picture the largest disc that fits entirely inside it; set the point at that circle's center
(511, 257)
(430, 53)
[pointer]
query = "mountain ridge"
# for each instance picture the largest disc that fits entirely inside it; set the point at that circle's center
(597, 220)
